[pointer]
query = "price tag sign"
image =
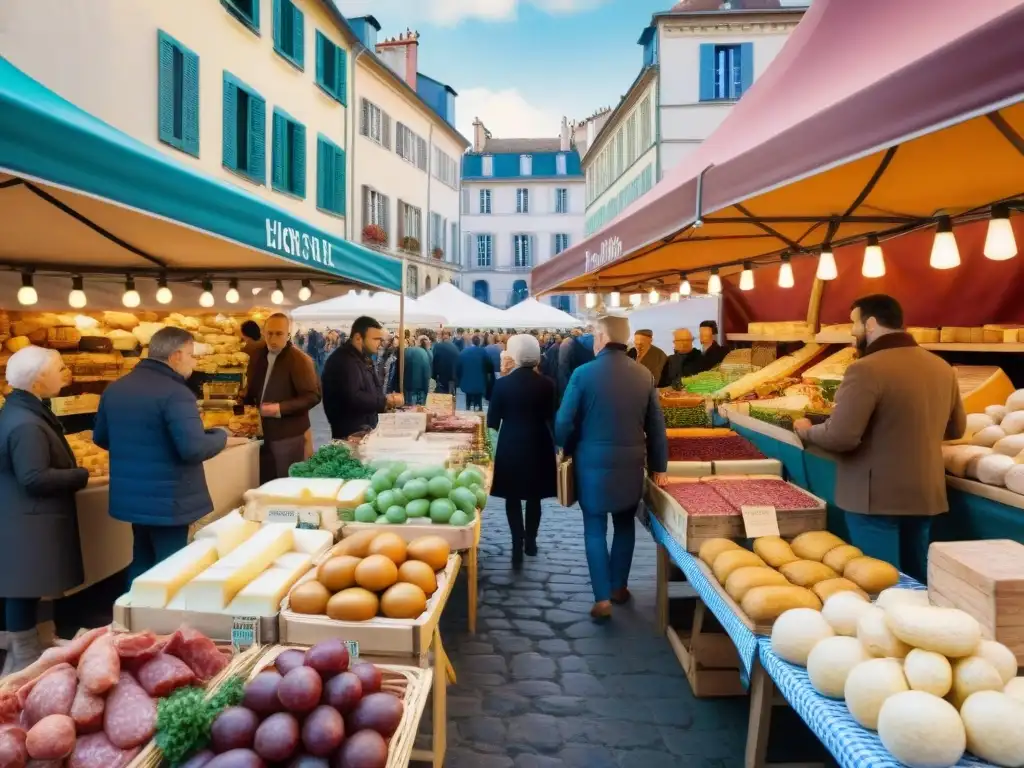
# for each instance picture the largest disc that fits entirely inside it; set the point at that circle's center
(760, 521)
(245, 632)
(353, 649)
(296, 517)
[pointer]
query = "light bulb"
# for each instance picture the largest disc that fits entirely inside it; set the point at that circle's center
(1000, 243)
(256, 290)
(76, 299)
(130, 298)
(615, 298)
(27, 295)
(786, 274)
(684, 286)
(591, 300)
(306, 291)
(635, 299)
(653, 296)
(874, 261)
(747, 277)
(232, 297)
(674, 296)
(945, 254)
(715, 284)
(277, 297)
(827, 269)
(206, 299)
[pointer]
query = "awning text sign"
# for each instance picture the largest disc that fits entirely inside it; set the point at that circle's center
(608, 252)
(297, 244)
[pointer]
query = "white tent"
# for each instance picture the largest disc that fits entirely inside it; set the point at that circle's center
(382, 307)
(531, 313)
(461, 310)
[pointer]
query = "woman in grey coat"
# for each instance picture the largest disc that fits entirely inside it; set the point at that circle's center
(40, 551)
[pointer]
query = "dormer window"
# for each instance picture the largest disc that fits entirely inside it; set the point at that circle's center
(525, 165)
(560, 164)
(488, 165)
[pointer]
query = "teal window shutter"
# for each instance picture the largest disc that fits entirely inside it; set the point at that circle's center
(277, 161)
(320, 53)
(190, 103)
(256, 13)
(339, 181)
(746, 66)
(298, 160)
(298, 36)
(341, 69)
(707, 71)
(324, 172)
(230, 124)
(166, 89)
(257, 138)
(278, 26)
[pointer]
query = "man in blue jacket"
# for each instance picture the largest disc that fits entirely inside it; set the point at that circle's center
(610, 422)
(150, 424)
(475, 374)
(576, 349)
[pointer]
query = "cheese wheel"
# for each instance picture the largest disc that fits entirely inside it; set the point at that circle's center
(1015, 688)
(870, 574)
(1013, 423)
(1000, 657)
(807, 573)
(730, 560)
(840, 556)
(992, 470)
(876, 637)
(742, 580)
(843, 610)
(921, 730)
(993, 724)
(1011, 445)
(796, 632)
(814, 545)
(831, 662)
(948, 631)
(973, 674)
(988, 436)
(867, 687)
(825, 589)
(928, 671)
(774, 550)
(712, 548)
(768, 603)
(896, 596)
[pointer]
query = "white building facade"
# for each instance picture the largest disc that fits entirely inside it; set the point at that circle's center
(699, 58)
(522, 203)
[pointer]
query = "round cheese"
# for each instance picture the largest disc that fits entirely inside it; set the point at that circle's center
(988, 436)
(898, 596)
(874, 634)
(999, 656)
(971, 675)
(996, 412)
(1014, 478)
(1015, 402)
(992, 470)
(993, 723)
(977, 422)
(948, 631)
(1013, 423)
(831, 661)
(1011, 445)
(1015, 688)
(921, 730)
(868, 686)
(796, 632)
(843, 610)
(928, 671)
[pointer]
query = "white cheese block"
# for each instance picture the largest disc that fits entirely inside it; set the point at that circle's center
(311, 542)
(214, 588)
(352, 494)
(263, 596)
(228, 532)
(157, 587)
(308, 491)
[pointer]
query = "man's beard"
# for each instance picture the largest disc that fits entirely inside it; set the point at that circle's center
(861, 344)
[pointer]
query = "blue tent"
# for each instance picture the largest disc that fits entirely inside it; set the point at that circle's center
(76, 193)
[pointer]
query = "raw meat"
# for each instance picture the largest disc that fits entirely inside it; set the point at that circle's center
(13, 753)
(198, 652)
(52, 694)
(64, 654)
(139, 646)
(96, 751)
(164, 674)
(52, 738)
(129, 719)
(87, 711)
(100, 666)
(700, 499)
(725, 448)
(765, 492)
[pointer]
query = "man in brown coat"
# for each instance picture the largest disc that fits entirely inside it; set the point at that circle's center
(896, 405)
(283, 383)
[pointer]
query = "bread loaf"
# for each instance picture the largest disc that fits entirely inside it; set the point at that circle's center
(768, 603)
(807, 573)
(871, 575)
(742, 580)
(814, 545)
(712, 548)
(774, 550)
(840, 556)
(825, 589)
(730, 560)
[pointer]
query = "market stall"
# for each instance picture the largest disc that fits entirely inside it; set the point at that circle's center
(461, 310)
(531, 313)
(385, 308)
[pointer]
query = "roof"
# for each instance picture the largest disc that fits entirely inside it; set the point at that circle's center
(505, 165)
(689, 6)
(521, 146)
(642, 79)
(434, 80)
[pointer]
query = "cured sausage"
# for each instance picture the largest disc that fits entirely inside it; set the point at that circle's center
(63, 654)
(52, 738)
(100, 666)
(52, 694)
(96, 751)
(198, 651)
(138, 646)
(129, 719)
(164, 674)
(87, 711)
(13, 753)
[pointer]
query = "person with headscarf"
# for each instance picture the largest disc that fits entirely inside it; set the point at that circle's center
(522, 409)
(40, 550)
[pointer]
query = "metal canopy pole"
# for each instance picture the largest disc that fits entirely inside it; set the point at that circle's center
(401, 330)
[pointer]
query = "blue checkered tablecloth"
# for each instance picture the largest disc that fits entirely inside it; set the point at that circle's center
(744, 640)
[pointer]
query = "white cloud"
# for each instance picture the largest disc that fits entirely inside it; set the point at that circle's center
(507, 114)
(451, 12)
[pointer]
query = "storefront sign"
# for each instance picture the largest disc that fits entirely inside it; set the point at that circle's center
(608, 251)
(298, 244)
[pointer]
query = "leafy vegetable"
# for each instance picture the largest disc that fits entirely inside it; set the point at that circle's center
(333, 460)
(183, 719)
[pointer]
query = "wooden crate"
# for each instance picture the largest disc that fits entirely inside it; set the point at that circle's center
(985, 579)
(757, 627)
(708, 658)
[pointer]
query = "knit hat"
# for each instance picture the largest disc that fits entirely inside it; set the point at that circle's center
(25, 366)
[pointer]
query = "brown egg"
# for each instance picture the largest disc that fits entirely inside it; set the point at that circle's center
(420, 574)
(376, 573)
(338, 573)
(391, 545)
(403, 601)
(309, 597)
(354, 604)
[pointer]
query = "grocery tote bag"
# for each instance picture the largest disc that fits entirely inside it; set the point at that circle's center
(566, 481)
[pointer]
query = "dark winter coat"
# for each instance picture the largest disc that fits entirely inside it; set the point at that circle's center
(40, 551)
(150, 423)
(522, 409)
(474, 371)
(446, 357)
(417, 370)
(353, 395)
(679, 366)
(573, 353)
(293, 385)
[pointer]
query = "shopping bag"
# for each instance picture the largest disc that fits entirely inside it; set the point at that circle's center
(566, 482)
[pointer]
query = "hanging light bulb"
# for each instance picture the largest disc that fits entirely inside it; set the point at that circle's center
(715, 283)
(130, 298)
(653, 296)
(945, 254)
(615, 298)
(674, 296)
(232, 297)
(306, 291)
(1000, 243)
(277, 297)
(635, 299)
(827, 265)
(874, 261)
(27, 295)
(747, 277)
(76, 299)
(786, 273)
(206, 299)
(684, 286)
(591, 300)
(256, 290)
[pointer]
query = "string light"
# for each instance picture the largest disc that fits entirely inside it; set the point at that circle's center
(232, 297)
(206, 299)
(747, 277)
(1000, 244)
(131, 298)
(827, 269)
(874, 260)
(653, 297)
(277, 297)
(684, 286)
(306, 291)
(615, 298)
(674, 297)
(636, 299)
(76, 299)
(715, 283)
(786, 273)
(591, 300)
(163, 293)
(27, 295)
(945, 254)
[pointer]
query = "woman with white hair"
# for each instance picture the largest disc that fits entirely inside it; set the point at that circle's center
(40, 551)
(522, 409)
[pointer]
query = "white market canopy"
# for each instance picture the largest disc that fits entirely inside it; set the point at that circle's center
(382, 307)
(531, 313)
(461, 310)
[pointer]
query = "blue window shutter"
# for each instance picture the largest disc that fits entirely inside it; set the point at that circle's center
(280, 133)
(257, 138)
(298, 159)
(341, 70)
(256, 13)
(230, 125)
(277, 22)
(190, 102)
(165, 89)
(707, 71)
(339, 181)
(323, 158)
(299, 35)
(320, 40)
(746, 66)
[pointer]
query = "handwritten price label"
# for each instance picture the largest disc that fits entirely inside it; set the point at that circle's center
(760, 521)
(245, 632)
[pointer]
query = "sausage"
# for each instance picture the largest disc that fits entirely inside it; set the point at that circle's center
(164, 674)
(138, 646)
(96, 751)
(13, 753)
(199, 652)
(87, 711)
(129, 719)
(52, 738)
(62, 654)
(100, 666)
(52, 694)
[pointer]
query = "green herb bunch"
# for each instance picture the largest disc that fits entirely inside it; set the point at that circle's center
(333, 460)
(183, 719)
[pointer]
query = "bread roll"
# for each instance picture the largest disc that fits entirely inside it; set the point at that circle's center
(712, 548)
(730, 560)
(840, 556)
(774, 550)
(807, 573)
(768, 603)
(742, 580)
(814, 545)
(871, 575)
(825, 589)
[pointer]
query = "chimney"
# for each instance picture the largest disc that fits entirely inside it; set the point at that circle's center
(564, 136)
(366, 29)
(402, 55)
(480, 135)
